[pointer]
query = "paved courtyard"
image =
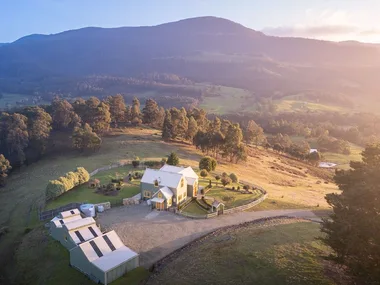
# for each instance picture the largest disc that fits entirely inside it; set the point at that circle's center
(156, 234)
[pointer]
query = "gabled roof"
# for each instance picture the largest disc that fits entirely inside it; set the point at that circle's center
(188, 172)
(69, 213)
(165, 191)
(79, 224)
(106, 251)
(85, 233)
(60, 222)
(164, 178)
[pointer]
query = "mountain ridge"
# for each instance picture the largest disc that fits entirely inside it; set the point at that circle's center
(203, 49)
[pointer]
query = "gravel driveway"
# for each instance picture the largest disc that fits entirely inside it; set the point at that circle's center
(156, 234)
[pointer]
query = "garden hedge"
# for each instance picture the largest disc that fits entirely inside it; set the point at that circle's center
(56, 188)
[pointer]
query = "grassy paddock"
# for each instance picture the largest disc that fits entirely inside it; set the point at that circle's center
(83, 193)
(283, 254)
(194, 209)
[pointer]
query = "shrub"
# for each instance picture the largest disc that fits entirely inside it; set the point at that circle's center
(67, 182)
(226, 180)
(238, 188)
(204, 173)
(207, 163)
(136, 162)
(173, 159)
(153, 163)
(246, 187)
(163, 161)
(233, 187)
(234, 178)
(224, 174)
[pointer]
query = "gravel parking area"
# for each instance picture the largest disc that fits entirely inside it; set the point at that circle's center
(156, 234)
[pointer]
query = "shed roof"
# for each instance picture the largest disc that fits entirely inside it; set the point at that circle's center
(106, 251)
(85, 233)
(58, 222)
(79, 223)
(69, 213)
(164, 178)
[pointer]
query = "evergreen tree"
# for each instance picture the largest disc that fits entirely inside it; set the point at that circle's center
(167, 127)
(101, 119)
(353, 229)
(135, 110)
(173, 159)
(84, 138)
(254, 133)
(39, 127)
(117, 109)
(4, 168)
(62, 113)
(150, 112)
(192, 129)
(17, 136)
(160, 118)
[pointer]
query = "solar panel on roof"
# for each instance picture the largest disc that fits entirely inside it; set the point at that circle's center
(107, 240)
(72, 212)
(96, 248)
(79, 236)
(93, 232)
(61, 221)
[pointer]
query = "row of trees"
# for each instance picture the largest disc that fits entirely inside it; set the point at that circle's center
(216, 137)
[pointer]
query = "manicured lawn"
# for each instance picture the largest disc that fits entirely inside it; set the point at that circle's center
(194, 209)
(83, 193)
(231, 198)
(278, 253)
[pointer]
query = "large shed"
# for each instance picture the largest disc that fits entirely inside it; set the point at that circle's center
(104, 258)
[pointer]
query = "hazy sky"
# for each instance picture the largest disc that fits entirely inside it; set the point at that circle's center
(323, 19)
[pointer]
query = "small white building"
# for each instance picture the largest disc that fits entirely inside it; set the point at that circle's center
(104, 258)
(313, 150)
(57, 223)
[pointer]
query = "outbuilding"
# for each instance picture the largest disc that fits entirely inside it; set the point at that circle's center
(57, 223)
(104, 258)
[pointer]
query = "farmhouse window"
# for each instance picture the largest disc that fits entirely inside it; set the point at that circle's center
(182, 182)
(147, 194)
(156, 183)
(159, 195)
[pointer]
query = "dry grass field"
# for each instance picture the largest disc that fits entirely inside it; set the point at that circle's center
(274, 252)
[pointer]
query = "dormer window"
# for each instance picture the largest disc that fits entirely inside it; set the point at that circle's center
(156, 183)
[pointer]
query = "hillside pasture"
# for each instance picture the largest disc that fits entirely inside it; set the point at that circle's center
(275, 252)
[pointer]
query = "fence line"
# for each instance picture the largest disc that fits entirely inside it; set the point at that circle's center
(50, 214)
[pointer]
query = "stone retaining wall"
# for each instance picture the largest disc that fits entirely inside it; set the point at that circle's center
(106, 205)
(245, 207)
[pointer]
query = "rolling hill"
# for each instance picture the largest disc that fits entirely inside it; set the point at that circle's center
(205, 49)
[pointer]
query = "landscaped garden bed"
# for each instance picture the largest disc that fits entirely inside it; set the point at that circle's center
(94, 194)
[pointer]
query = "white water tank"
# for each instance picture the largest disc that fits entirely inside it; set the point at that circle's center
(88, 210)
(100, 209)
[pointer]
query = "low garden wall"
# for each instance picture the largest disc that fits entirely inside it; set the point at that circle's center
(246, 206)
(106, 205)
(187, 215)
(131, 201)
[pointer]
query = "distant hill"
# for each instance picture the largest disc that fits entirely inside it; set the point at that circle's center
(202, 49)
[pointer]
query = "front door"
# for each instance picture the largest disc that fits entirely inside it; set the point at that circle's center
(160, 206)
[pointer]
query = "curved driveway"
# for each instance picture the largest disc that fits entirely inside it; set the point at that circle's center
(156, 234)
